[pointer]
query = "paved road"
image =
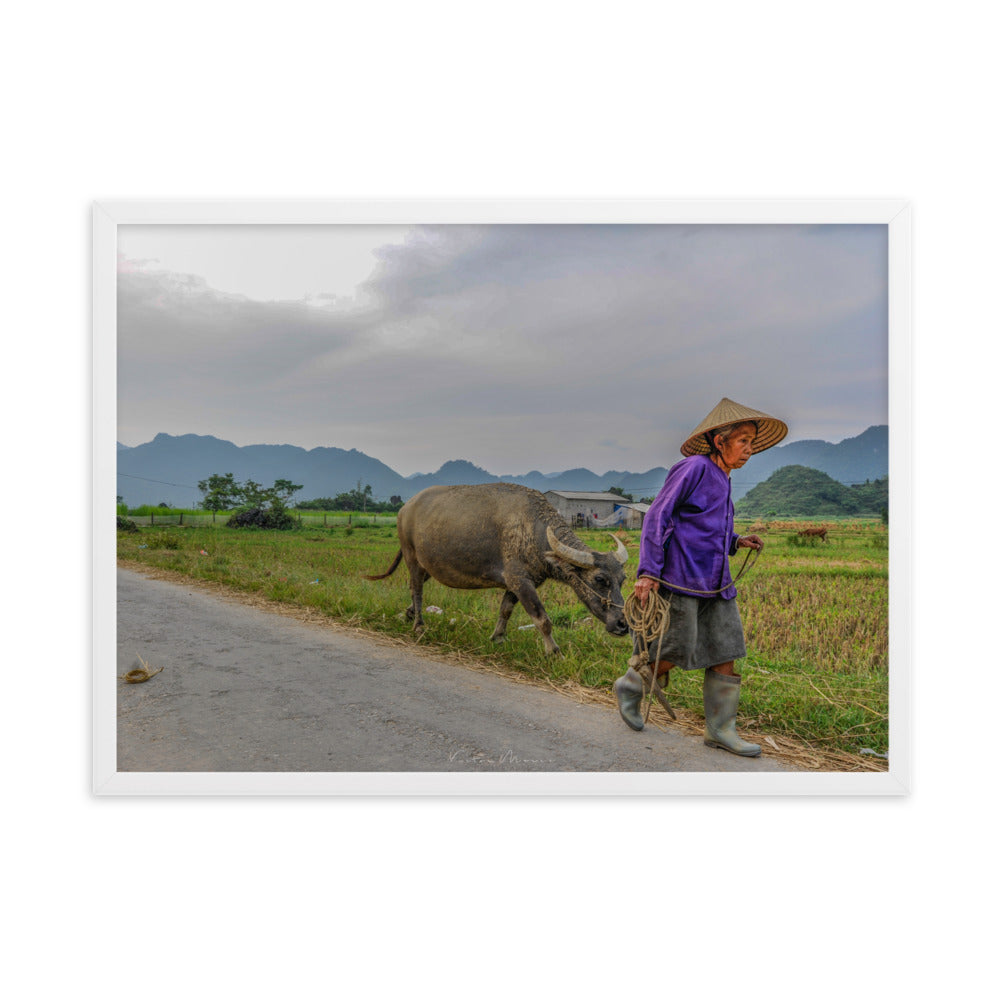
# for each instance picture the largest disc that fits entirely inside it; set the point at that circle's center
(247, 690)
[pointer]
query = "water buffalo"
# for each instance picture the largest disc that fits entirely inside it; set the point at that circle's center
(506, 536)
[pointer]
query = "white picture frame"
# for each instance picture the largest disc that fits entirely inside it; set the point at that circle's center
(109, 215)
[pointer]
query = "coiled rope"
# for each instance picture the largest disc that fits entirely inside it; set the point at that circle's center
(646, 622)
(650, 622)
(140, 674)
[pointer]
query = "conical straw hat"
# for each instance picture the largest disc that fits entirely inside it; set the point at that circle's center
(769, 429)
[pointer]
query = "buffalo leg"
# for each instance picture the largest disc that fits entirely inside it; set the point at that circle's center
(525, 592)
(417, 578)
(506, 607)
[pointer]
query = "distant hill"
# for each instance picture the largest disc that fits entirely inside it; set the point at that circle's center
(454, 473)
(168, 469)
(852, 461)
(797, 491)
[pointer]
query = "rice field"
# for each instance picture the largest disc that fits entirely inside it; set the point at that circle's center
(815, 615)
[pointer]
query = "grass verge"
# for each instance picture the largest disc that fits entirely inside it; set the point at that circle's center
(815, 690)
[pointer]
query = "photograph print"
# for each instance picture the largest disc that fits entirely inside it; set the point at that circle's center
(488, 506)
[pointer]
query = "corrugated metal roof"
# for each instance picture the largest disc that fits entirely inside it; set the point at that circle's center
(581, 495)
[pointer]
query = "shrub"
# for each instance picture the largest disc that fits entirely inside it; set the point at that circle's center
(260, 517)
(124, 524)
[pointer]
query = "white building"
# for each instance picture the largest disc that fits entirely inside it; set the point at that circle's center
(596, 510)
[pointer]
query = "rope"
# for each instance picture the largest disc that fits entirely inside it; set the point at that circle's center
(711, 593)
(652, 620)
(647, 621)
(140, 674)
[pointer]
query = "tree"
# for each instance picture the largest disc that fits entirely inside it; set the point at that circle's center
(363, 494)
(252, 495)
(618, 491)
(224, 493)
(357, 499)
(284, 488)
(354, 500)
(221, 492)
(265, 508)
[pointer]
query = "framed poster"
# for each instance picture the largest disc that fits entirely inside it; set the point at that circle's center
(314, 366)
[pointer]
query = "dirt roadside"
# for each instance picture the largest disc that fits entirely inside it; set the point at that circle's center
(250, 684)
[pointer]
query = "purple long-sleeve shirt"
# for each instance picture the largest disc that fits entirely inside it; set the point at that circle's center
(688, 532)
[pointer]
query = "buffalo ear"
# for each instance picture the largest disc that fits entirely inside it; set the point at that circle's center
(557, 562)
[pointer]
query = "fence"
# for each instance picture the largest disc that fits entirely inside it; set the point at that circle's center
(304, 519)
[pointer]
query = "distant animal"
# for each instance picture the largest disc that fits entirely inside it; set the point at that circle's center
(509, 537)
(813, 533)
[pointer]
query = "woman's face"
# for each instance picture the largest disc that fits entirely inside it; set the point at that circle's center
(736, 451)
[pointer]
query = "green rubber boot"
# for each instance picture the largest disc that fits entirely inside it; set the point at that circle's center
(722, 696)
(629, 690)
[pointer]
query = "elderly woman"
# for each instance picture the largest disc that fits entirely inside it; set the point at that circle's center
(687, 538)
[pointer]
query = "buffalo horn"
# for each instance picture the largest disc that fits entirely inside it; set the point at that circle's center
(577, 557)
(621, 553)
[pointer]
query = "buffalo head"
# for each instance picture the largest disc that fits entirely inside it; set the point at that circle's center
(596, 577)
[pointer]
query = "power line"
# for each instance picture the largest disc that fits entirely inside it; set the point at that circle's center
(183, 486)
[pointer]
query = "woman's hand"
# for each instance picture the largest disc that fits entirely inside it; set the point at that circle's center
(750, 542)
(642, 588)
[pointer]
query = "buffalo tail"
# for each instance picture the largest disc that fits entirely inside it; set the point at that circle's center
(389, 571)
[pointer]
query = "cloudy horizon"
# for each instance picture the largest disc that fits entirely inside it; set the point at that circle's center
(514, 347)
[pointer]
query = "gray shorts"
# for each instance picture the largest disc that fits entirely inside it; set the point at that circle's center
(702, 632)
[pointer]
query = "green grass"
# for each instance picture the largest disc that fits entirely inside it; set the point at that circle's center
(149, 516)
(815, 615)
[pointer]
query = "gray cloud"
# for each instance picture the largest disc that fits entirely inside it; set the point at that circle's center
(524, 347)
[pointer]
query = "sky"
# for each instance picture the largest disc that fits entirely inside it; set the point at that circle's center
(515, 347)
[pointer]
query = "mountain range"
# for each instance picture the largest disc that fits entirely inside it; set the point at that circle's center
(168, 469)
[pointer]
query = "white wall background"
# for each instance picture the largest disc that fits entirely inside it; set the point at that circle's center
(747, 897)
